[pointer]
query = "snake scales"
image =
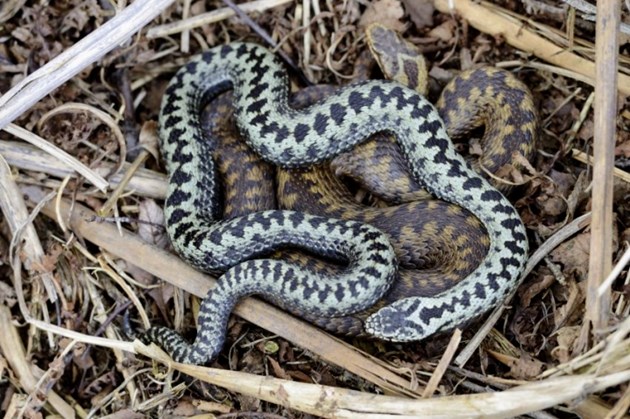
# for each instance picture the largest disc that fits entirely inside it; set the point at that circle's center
(292, 138)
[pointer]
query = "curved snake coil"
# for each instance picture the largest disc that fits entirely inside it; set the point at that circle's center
(291, 138)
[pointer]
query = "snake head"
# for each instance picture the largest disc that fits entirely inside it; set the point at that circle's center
(393, 323)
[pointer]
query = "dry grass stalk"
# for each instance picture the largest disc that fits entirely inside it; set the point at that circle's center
(333, 402)
(60, 155)
(605, 365)
(25, 237)
(586, 159)
(144, 182)
(598, 305)
(13, 350)
(212, 17)
(551, 243)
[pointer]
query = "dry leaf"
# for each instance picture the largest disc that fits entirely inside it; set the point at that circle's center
(278, 371)
(566, 337)
(551, 205)
(444, 32)
(420, 12)
(575, 298)
(535, 288)
(150, 227)
(574, 254)
(623, 149)
(385, 12)
(526, 367)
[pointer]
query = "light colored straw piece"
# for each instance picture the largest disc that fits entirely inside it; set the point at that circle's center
(588, 159)
(212, 17)
(334, 402)
(604, 135)
(72, 163)
(145, 183)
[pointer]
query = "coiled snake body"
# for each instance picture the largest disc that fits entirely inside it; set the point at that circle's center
(292, 138)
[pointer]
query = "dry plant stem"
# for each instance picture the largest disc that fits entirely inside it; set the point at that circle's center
(600, 259)
(58, 154)
(484, 16)
(592, 407)
(145, 183)
(17, 216)
(586, 159)
(604, 287)
(185, 36)
(608, 355)
(172, 269)
(340, 403)
(13, 351)
(621, 407)
(577, 124)
(445, 361)
(267, 38)
(553, 69)
(124, 182)
(101, 313)
(212, 17)
(70, 62)
(552, 242)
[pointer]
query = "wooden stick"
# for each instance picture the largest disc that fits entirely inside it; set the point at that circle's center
(334, 402)
(600, 262)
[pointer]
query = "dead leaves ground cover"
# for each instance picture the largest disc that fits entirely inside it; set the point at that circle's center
(541, 329)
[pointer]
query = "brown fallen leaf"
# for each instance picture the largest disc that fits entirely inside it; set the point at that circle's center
(623, 149)
(566, 337)
(444, 32)
(385, 12)
(526, 367)
(535, 288)
(573, 254)
(420, 12)
(150, 227)
(278, 371)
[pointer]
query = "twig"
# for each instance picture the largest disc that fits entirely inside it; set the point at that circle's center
(22, 230)
(58, 154)
(600, 260)
(327, 401)
(211, 17)
(605, 285)
(265, 36)
(587, 159)
(145, 183)
(13, 351)
(589, 12)
(445, 361)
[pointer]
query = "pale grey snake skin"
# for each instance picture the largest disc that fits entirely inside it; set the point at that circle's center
(292, 138)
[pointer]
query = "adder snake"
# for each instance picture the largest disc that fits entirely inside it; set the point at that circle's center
(292, 138)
